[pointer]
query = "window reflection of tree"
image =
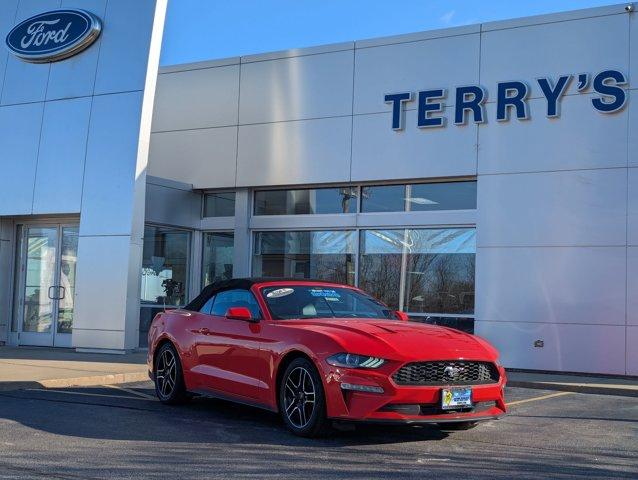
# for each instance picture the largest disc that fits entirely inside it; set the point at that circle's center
(440, 283)
(439, 266)
(380, 276)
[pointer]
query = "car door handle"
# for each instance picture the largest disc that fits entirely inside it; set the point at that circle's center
(204, 331)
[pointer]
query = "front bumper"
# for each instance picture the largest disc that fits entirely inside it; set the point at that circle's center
(406, 404)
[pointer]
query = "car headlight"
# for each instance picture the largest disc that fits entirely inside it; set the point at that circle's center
(351, 360)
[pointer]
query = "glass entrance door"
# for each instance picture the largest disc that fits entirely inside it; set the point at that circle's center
(47, 269)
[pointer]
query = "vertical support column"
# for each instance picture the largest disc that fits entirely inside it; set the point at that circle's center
(114, 188)
(241, 249)
(6, 278)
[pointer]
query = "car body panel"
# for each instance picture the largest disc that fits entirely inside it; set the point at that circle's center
(240, 360)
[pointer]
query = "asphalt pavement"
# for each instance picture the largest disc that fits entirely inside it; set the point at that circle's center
(123, 432)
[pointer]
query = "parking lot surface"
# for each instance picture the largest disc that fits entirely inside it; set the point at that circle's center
(124, 432)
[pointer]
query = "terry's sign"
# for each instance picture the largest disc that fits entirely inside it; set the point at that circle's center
(511, 97)
(54, 35)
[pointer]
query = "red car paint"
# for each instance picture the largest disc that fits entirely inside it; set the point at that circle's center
(240, 360)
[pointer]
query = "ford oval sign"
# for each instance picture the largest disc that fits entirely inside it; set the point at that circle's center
(54, 35)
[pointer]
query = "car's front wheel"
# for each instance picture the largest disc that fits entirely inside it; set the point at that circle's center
(301, 399)
(169, 377)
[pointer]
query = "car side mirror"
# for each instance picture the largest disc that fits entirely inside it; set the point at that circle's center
(240, 313)
(401, 316)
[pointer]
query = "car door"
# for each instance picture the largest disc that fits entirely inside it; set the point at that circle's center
(227, 350)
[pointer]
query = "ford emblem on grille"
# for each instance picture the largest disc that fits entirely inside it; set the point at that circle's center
(452, 373)
(54, 35)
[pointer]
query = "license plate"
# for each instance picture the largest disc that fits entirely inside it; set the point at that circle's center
(452, 398)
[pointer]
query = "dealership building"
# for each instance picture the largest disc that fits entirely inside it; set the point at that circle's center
(482, 177)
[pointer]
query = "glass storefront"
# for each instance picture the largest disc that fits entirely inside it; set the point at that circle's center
(426, 271)
(217, 257)
(324, 255)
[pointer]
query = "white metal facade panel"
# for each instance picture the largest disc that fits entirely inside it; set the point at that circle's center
(380, 153)
(409, 67)
(632, 109)
(172, 206)
(60, 170)
(632, 351)
(210, 100)
(24, 82)
(587, 45)
(311, 86)
(633, 50)
(92, 258)
(570, 348)
(75, 77)
(581, 138)
(299, 152)
(632, 291)
(551, 285)
(124, 51)
(205, 158)
(8, 10)
(112, 143)
(570, 208)
(19, 138)
(632, 213)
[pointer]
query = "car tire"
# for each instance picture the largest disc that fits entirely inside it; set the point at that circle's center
(457, 425)
(169, 376)
(302, 401)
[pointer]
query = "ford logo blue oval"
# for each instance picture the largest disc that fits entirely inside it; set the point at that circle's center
(53, 36)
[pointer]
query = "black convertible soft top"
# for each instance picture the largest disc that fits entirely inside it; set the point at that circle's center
(241, 284)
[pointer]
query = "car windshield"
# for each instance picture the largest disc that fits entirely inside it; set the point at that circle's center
(316, 301)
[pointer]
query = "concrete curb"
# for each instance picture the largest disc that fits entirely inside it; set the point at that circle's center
(90, 381)
(592, 388)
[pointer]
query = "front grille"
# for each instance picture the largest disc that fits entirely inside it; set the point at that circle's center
(453, 372)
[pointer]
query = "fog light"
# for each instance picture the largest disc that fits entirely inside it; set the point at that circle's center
(361, 388)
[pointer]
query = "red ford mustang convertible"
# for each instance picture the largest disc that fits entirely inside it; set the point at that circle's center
(318, 352)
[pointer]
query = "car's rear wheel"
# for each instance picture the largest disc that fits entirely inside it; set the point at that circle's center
(301, 399)
(169, 377)
(457, 425)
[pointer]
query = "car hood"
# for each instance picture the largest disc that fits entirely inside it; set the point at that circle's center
(394, 339)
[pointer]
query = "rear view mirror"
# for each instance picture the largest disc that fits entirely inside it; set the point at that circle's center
(401, 316)
(240, 313)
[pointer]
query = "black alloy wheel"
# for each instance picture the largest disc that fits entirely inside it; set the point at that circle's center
(169, 379)
(301, 399)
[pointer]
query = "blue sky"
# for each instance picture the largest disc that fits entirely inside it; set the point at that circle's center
(208, 29)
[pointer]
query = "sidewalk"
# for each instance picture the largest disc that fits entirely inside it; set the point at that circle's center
(574, 383)
(40, 367)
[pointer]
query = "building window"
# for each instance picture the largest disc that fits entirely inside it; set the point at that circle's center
(165, 264)
(419, 197)
(441, 196)
(219, 204)
(420, 271)
(306, 201)
(217, 257)
(323, 255)
(385, 198)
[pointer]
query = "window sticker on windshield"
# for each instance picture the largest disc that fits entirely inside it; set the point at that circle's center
(325, 293)
(280, 292)
(330, 299)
